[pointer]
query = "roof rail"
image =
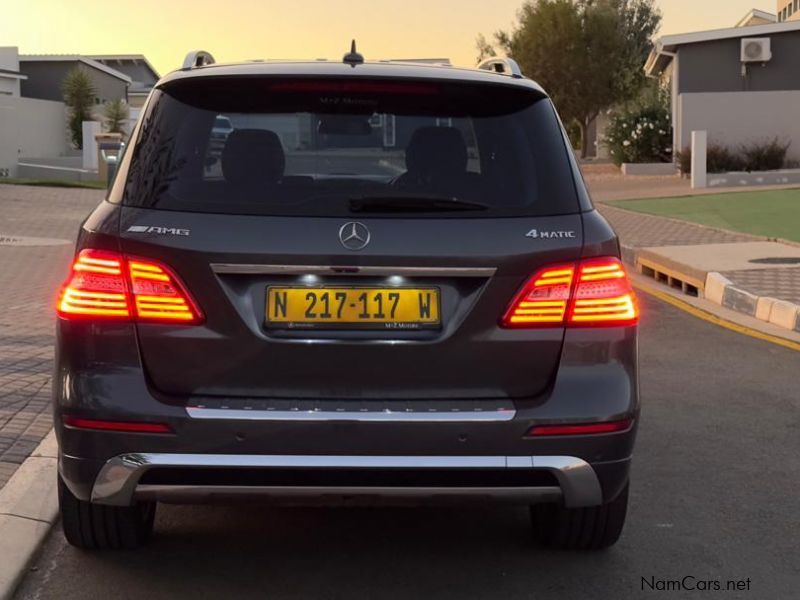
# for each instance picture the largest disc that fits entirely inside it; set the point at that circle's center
(504, 66)
(197, 58)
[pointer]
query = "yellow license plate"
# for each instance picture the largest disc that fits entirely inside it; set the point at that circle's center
(352, 308)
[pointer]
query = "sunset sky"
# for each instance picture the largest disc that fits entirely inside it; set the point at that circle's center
(164, 30)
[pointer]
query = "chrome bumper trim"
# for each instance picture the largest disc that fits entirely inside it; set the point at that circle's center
(372, 271)
(117, 482)
(394, 416)
(184, 493)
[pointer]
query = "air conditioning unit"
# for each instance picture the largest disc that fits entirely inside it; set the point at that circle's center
(756, 50)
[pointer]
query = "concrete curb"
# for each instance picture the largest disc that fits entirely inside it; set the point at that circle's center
(778, 312)
(720, 290)
(28, 509)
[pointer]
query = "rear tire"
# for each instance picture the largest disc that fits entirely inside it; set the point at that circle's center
(591, 528)
(99, 527)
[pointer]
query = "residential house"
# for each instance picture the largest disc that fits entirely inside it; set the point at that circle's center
(734, 83)
(46, 72)
(142, 74)
(788, 10)
(10, 76)
(757, 17)
(28, 126)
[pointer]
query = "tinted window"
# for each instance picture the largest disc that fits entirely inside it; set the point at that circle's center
(321, 147)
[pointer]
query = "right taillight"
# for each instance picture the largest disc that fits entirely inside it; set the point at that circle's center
(589, 293)
(603, 295)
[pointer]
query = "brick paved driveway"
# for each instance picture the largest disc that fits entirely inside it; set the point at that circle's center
(37, 232)
(640, 230)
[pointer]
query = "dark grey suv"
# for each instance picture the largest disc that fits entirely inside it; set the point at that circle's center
(389, 284)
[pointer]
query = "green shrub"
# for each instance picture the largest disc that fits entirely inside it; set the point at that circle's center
(720, 159)
(641, 133)
(757, 156)
(116, 115)
(765, 156)
(79, 92)
(683, 158)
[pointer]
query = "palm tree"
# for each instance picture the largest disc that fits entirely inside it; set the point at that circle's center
(116, 116)
(79, 93)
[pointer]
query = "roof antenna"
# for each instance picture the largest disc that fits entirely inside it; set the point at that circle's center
(353, 58)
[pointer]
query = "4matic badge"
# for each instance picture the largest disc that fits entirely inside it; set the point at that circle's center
(536, 234)
(158, 230)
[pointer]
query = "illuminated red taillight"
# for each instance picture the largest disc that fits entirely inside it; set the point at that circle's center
(591, 292)
(543, 300)
(581, 429)
(107, 285)
(126, 426)
(158, 294)
(603, 295)
(96, 287)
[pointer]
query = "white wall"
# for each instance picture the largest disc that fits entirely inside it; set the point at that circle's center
(734, 118)
(30, 128)
(9, 61)
(9, 86)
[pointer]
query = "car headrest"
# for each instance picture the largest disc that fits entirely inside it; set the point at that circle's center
(437, 152)
(253, 156)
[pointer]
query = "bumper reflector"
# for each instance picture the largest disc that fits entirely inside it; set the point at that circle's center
(124, 426)
(581, 429)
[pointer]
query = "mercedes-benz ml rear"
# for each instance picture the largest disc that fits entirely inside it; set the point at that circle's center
(386, 283)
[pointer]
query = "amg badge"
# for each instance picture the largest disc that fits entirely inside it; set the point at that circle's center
(158, 230)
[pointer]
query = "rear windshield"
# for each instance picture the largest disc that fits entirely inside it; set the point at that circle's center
(335, 147)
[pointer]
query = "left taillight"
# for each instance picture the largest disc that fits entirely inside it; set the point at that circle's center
(592, 292)
(96, 287)
(108, 285)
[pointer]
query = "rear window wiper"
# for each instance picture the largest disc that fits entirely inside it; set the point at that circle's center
(392, 203)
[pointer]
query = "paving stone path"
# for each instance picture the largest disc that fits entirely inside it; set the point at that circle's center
(37, 232)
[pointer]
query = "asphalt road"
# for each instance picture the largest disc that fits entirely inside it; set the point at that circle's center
(714, 497)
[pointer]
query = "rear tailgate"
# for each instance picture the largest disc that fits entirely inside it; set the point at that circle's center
(480, 164)
(228, 262)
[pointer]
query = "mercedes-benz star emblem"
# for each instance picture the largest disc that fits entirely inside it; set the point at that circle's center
(354, 235)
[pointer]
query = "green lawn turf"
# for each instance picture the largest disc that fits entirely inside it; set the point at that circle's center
(774, 213)
(99, 185)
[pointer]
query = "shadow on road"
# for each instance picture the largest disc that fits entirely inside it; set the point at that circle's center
(251, 551)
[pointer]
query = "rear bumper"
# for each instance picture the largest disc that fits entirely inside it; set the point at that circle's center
(465, 448)
(120, 480)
